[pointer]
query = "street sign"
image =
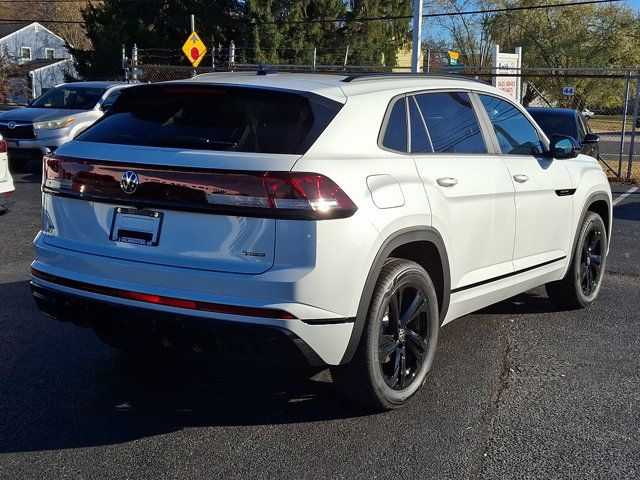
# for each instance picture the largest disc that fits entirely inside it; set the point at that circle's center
(453, 58)
(194, 49)
(569, 91)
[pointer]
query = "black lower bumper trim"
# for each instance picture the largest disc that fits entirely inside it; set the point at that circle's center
(221, 336)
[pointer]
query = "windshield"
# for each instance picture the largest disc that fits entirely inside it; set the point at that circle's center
(70, 97)
(218, 118)
(555, 124)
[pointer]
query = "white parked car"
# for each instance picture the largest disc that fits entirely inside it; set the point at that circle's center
(342, 218)
(56, 117)
(6, 181)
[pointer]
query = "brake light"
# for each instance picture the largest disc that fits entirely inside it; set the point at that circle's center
(290, 195)
(3, 146)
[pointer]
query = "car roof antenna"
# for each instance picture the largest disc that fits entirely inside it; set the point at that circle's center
(266, 70)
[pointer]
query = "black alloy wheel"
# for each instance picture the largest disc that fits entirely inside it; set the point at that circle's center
(590, 266)
(404, 334)
(398, 341)
(581, 285)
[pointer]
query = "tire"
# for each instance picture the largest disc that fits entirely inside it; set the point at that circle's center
(391, 362)
(581, 285)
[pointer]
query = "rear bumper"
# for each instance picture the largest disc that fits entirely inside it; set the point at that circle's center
(202, 333)
(53, 142)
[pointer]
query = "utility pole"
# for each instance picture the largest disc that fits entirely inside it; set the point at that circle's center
(417, 37)
(193, 23)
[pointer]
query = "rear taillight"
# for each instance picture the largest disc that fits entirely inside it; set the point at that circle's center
(3, 146)
(291, 195)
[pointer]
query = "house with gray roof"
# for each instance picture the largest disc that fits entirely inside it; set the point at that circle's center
(41, 57)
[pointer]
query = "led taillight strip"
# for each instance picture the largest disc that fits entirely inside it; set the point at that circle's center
(166, 301)
(266, 194)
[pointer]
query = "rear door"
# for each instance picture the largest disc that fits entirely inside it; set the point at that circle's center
(543, 189)
(182, 175)
(469, 190)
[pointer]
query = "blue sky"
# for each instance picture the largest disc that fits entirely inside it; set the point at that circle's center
(431, 29)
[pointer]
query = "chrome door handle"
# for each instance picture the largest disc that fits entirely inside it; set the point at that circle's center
(447, 182)
(520, 178)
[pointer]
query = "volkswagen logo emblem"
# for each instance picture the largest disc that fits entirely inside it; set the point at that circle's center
(129, 181)
(11, 125)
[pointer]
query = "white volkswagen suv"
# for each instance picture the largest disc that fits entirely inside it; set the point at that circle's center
(343, 219)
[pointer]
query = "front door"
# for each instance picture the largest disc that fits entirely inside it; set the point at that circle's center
(543, 189)
(469, 190)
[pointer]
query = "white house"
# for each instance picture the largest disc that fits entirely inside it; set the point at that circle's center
(43, 58)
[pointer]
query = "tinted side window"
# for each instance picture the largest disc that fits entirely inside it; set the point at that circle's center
(451, 122)
(515, 133)
(395, 134)
(420, 142)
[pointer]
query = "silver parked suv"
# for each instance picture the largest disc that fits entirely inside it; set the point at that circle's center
(56, 117)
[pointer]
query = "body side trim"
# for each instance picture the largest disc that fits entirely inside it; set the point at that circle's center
(507, 275)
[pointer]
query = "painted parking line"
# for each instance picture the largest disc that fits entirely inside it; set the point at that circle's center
(624, 195)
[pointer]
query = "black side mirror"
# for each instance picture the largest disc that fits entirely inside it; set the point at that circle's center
(590, 138)
(563, 147)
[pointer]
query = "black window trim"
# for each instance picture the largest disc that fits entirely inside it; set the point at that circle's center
(487, 133)
(385, 123)
(424, 125)
(544, 141)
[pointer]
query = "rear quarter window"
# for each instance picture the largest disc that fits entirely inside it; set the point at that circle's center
(218, 118)
(394, 136)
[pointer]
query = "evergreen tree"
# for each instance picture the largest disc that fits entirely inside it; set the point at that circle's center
(275, 37)
(158, 24)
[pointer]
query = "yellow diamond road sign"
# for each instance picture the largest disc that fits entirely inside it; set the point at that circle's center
(194, 49)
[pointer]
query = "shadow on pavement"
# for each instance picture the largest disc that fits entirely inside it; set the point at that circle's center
(31, 165)
(627, 211)
(534, 301)
(61, 388)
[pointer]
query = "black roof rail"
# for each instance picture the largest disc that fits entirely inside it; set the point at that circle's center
(382, 75)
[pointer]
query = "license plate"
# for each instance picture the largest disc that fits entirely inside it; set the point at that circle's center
(139, 227)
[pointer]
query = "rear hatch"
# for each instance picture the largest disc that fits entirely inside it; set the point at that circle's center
(188, 176)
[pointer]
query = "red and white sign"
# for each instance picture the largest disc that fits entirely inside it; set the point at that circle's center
(503, 66)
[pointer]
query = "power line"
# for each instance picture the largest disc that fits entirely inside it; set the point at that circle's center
(345, 19)
(444, 14)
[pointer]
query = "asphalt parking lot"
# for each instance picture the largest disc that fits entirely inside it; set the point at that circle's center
(519, 390)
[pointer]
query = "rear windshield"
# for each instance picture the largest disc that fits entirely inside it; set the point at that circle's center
(221, 118)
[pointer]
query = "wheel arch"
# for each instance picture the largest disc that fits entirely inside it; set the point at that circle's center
(599, 203)
(408, 244)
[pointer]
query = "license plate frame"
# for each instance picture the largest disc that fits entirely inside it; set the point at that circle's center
(136, 226)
